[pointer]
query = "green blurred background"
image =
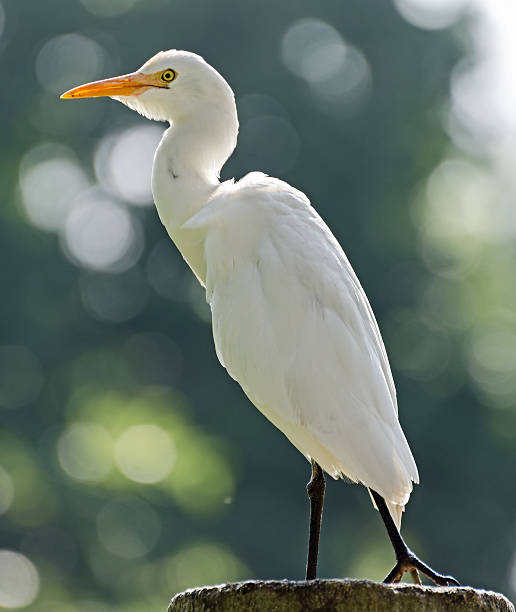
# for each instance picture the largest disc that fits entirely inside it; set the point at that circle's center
(131, 465)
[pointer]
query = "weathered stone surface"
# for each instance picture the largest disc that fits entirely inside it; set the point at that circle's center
(336, 596)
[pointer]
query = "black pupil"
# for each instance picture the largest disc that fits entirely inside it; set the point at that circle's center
(167, 76)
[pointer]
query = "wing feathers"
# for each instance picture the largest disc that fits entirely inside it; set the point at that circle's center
(293, 326)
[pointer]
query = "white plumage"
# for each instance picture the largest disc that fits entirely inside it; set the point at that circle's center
(293, 326)
(291, 322)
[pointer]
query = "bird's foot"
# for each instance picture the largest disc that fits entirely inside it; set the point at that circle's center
(408, 562)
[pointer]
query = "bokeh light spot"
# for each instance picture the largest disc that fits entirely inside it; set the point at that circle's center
(145, 453)
(204, 563)
(50, 179)
(313, 49)
(128, 527)
(21, 376)
(34, 502)
(338, 74)
(460, 199)
(431, 14)
(102, 235)
(493, 364)
(68, 60)
(84, 451)
(19, 580)
(123, 163)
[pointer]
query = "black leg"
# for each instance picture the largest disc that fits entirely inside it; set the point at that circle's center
(315, 489)
(406, 560)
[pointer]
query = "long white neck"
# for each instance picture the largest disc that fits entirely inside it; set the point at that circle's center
(186, 172)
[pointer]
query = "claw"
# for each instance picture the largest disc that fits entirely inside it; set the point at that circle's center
(410, 563)
(451, 581)
(415, 576)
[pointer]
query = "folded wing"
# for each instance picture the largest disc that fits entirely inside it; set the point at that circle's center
(293, 326)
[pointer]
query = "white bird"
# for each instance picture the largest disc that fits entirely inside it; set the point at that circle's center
(291, 322)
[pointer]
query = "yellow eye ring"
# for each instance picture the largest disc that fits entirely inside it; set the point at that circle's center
(167, 76)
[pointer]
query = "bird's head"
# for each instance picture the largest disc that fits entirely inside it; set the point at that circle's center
(170, 86)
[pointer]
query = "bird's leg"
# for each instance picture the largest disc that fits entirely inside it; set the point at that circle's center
(315, 489)
(406, 560)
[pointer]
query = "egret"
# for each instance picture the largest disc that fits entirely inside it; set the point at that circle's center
(291, 322)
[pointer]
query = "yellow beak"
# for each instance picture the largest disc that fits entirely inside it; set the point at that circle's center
(126, 85)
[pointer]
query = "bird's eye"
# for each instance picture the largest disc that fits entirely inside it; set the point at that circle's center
(168, 75)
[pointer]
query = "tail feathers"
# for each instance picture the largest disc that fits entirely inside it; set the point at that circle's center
(396, 510)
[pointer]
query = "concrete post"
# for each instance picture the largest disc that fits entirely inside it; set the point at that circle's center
(336, 596)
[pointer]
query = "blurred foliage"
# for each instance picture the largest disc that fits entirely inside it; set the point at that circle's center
(131, 466)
